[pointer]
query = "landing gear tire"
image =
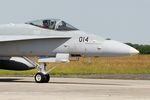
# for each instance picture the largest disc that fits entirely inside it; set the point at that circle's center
(42, 78)
(47, 78)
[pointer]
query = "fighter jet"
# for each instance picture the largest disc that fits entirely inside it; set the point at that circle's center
(51, 40)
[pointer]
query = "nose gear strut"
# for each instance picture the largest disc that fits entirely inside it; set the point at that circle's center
(43, 75)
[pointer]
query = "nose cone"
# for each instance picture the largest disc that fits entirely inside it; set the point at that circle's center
(115, 48)
(133, 51)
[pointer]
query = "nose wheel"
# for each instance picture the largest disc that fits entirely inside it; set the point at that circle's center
(42, 78)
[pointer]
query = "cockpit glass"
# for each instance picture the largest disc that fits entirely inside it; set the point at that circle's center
(63, 26)
(53, 24)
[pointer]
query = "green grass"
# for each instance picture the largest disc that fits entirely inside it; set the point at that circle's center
(115, 65)
(17, 73)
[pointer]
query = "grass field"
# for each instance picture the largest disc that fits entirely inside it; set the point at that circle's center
(139, 64)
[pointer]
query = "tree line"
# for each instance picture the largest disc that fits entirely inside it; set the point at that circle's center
(143, 49)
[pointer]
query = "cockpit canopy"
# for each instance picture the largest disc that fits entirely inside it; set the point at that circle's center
(52, 24)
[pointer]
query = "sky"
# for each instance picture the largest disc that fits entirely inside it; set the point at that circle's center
(122, 20)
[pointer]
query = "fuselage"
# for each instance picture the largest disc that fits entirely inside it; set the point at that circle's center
(21, 40)
(52, 40)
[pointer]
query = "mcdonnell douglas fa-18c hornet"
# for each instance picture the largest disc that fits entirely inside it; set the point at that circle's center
(51, 40)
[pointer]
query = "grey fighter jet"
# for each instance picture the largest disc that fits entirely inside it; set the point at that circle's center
(51, 40)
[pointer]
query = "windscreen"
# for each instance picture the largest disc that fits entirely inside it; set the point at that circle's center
(63, 26)
(53, 24)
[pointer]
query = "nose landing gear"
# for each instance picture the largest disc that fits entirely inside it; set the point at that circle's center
(42, 76)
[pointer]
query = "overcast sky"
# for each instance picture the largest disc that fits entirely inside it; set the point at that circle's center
(123, 20)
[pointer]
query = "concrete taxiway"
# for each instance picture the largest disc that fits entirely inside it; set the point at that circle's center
(24, 88)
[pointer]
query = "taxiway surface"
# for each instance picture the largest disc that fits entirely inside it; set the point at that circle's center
(24, 88)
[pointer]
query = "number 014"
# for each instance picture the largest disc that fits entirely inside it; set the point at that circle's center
(83, 39)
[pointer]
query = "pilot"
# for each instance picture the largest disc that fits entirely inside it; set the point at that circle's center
(46, 24)
(52, 24)
(63, 26)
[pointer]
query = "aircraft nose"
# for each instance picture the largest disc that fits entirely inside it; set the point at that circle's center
(115, 48)
(133, 51)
